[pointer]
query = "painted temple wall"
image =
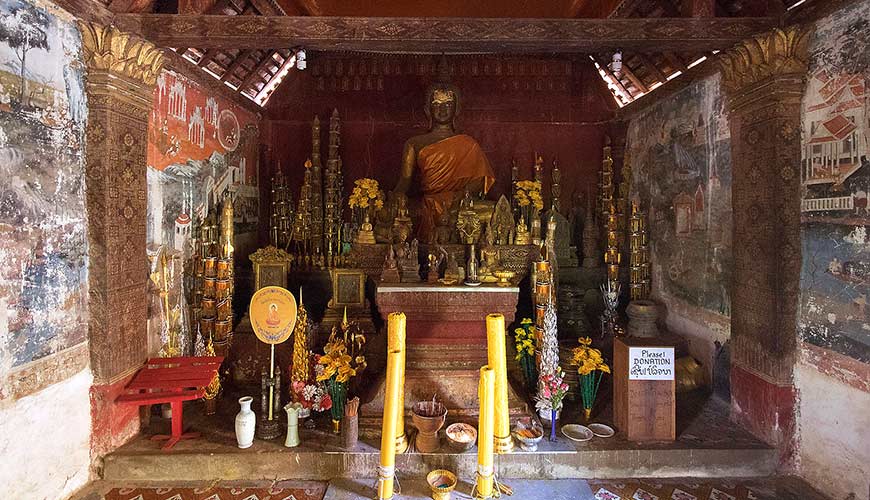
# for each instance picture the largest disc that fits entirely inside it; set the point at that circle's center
(833, 371)
(513, 106)
(202, 147)
(45, 419)
(679, 152)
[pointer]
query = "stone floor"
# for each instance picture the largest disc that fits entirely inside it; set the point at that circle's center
(775, 488)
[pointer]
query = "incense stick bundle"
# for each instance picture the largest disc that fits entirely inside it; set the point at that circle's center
(351, 407)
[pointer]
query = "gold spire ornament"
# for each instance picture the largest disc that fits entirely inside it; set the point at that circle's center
(301, 355)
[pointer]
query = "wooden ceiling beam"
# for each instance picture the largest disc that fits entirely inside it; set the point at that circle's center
(449, 35)
(614, 79)
(638, 83)
(653, 69)
(238, 61)
(255, 74)
(698, 8)
(675, 61)
(207, 57)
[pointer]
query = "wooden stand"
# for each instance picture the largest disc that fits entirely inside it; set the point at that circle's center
(644, 409)
(173, 381)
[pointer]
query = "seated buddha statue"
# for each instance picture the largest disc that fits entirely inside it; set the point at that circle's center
(446, 163)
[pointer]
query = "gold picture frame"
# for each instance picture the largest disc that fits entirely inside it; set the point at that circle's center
(348, 289)
(271, 266)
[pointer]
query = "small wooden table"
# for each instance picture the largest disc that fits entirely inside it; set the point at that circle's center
(173, 381)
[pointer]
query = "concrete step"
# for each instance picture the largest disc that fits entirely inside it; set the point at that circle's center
(321, 459)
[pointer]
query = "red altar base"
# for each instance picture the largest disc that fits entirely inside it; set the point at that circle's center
(445, 346)
(438, 314)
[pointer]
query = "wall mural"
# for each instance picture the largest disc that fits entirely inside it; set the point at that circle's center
(200, 149)
(43, 240)
(680, 154)
(835, 175)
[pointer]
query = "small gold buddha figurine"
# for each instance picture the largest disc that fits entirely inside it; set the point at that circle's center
(522, 237)
(366, 235)
(402, 223)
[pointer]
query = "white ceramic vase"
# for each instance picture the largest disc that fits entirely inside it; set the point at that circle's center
(246, 422)
(292, 410)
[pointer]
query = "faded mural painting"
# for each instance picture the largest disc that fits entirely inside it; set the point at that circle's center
(680, 156)
(201, 149)
(835, 175)
(43, 240)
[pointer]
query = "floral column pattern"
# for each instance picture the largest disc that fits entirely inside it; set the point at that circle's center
(764, 80)
(122, 71)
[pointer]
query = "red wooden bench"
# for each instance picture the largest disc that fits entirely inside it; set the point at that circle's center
(173, 381)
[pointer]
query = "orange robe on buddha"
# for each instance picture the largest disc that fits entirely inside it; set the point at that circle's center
(445, 168)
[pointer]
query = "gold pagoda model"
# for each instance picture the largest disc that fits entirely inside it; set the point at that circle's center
(639, 270)
(312, 233)
(610, 217)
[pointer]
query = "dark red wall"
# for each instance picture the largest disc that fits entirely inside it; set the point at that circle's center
(513, 106)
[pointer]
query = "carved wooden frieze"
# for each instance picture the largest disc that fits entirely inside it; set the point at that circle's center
(410, 34)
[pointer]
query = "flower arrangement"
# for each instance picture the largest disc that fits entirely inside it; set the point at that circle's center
(551, 394)
(366, 193)
(341, 362)
(588, 360)
(528, 193)
(312, 396)
(524, 339)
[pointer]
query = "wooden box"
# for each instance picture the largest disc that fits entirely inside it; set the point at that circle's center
(644, 405)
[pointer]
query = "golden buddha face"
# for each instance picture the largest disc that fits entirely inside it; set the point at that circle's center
(442, 108)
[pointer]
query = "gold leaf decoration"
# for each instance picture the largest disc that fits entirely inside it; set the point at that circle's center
(107, 48)
(776, 52)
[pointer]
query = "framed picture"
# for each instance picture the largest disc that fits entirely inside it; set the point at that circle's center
(348, 288)
(271, 266)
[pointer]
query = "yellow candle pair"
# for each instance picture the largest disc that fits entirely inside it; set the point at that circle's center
(485, 430)
(392, 409)
(497, 360)
(396, 342)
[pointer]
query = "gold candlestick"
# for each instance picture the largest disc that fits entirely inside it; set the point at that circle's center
(485, 433)
(497, 359)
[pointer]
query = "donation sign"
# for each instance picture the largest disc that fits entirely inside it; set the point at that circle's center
(273, 314)
(651, 363)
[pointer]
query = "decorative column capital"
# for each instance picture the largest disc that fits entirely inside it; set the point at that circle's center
(776, 52)
(119, 53)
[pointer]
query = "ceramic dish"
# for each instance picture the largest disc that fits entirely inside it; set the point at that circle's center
(576, 432)
(601, 430)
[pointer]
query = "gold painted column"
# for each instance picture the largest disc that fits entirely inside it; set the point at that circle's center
(497, 359)
(121, 73)
(764, 79)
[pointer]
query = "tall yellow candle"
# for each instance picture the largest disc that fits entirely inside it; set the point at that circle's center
(396, 342)
(485, 471)
(497, 360)
(387, 467)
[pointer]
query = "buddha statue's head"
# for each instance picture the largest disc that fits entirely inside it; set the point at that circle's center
(442, 104)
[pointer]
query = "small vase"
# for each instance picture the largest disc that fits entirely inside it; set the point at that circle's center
(292, 410)
(587, 414)
(553, 420)
(246, 422)
(336, 426)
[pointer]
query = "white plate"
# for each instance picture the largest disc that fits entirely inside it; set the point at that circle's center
(601, 430)
(577, 432)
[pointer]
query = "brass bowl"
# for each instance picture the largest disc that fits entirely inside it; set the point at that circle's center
(504, 277)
